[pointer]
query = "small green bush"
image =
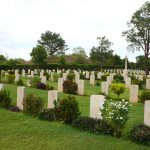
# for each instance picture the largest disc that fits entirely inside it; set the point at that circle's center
(69, 109)
(56, 76)
(50, 114)
(138, 82)
(104, 77)
(145, 96)
(118, 78)
(70, 87)
(35, 81)
(32, 105)
(5, 99)
(118, 88)
(82, 76)
(20, 82)
(140, 134)
(71, 76)
(10, 78)
(51, 88)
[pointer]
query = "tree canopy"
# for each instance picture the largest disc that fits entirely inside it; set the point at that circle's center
(39, 55)
(53, 43)
(102, 52)
(138, 35)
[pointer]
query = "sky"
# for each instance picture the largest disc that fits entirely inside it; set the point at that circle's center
(79, 22)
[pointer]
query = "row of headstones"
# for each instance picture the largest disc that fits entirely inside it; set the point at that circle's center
(96, 102)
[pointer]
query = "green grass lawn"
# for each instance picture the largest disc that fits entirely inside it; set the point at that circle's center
(21, 132)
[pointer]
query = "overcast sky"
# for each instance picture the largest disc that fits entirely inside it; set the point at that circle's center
(79, 22)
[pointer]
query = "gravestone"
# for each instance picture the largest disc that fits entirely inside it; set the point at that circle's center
(52, 96)
(147, 113)
(127, 82)
(92, 79)
(148, 84)
(105, 88)
(2, 86)
(64, 76)
(81, 87)
(16, 77)
(87, 75)
(60, 85)
(23, 73)
(32, 74)
(109, 80)
(43, 80)
(96, 102)
(20, 97)
(134, 93)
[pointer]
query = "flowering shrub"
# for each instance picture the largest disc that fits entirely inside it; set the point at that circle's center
(116, 114)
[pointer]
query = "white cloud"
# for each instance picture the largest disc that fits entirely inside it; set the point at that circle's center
(78, 21)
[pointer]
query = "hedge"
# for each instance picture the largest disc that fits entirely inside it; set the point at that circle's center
(60, 66)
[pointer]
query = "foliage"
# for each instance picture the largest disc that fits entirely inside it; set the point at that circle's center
(10, 78)
(69, 109)
(138, 82)
(140, 134)
(53, 43)
(42, 86)
(102, 52)
(65, 109)
(32, 105)
(50, 114)
(39, 55)
(118, 88)
(5, 99)
(145, 95)
(93, 125)
(116, 115)
(104, 77)
(71, 76)
(56, 76)
(138, 36)
(35, 81)
(20, 82)
(70, 87)
(118, 78)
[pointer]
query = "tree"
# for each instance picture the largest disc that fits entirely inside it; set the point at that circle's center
(39, 55)
(138, 36)
(140, 62)
(79, 55)
(102, 52)
(53, 43)
(2, 59)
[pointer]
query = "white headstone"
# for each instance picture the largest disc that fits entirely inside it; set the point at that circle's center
(147, 113)
(148, 84)
(134, 93)
(81, 87)
(2, 86)
(87, 75)
(20, 97)
(32, 74)
(43, 80)
(52, 96)
(64, 76)
(109, 80)
(92, 79)
(16, 77)
(60, 85)
(23, 73)
(105, 88)
(127, 82)
(96, 102)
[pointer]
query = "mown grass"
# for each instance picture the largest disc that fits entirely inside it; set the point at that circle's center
(21, 132)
